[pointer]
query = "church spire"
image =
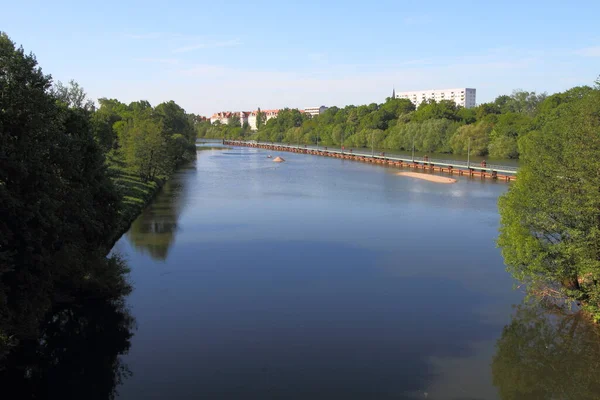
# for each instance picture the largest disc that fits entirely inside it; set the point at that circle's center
(394, 93)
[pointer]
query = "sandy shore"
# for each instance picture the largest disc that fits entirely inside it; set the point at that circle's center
(427, 177)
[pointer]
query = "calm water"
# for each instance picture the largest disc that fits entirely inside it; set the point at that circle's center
(318, 278)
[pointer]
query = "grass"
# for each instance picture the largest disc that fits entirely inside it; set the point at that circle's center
(135, 194)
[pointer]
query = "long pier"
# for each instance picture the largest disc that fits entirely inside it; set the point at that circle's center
(496, 172)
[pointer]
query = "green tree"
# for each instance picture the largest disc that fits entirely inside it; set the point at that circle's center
(72, 95)
(234, 121)
(550, 217)
(104, 120)
(144, 146)
(444, 109)
(57, 203)
(260, 119)
(503, 147)
(475, 135)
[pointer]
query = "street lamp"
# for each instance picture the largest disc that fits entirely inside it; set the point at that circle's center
(372, 143)
(469, 154)
(413, 150)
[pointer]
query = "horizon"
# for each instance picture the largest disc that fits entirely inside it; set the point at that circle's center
(234, 58)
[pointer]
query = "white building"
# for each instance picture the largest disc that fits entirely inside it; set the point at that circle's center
(464, 97)
(315, 110)
(267, 115)
(222, 117)
(244, 117)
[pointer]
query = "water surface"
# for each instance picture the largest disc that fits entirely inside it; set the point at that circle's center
(315, 278)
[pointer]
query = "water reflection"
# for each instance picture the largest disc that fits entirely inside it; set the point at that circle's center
(155, 229)
(76, 356)
(545, 354)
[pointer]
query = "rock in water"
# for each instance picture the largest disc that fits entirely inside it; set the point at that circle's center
(278, 159)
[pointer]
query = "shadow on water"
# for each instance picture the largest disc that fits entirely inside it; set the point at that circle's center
(155, 229)
(545, 354)
(76, 356)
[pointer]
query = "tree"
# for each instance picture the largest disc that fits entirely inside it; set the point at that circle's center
(234, 121)
(436, 110)
(260, 119)
(550, 217)
(103, 121)
(72, 95)
(520, 101)
(475, 135)
(503, 147)
(144, 144)
(57, 203)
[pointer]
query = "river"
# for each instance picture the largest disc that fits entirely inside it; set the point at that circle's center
(319, 278)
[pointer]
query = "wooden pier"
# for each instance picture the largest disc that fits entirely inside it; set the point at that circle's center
(496, 172)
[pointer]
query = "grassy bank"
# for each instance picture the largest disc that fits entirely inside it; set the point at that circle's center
(135, 194)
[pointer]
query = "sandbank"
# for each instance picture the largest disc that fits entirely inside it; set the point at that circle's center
(427, 177)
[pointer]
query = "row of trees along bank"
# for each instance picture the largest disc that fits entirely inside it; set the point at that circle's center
(442, 127)
(72, 179)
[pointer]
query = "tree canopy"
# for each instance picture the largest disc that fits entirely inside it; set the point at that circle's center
(550, 232)
(70, 182)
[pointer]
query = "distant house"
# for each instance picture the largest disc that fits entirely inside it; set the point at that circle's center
(267, 115)
(249, 117)
(224, 117)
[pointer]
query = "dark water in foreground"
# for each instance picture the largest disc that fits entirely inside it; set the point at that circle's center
(321, 278)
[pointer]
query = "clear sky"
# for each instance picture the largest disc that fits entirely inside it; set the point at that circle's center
(232, 55)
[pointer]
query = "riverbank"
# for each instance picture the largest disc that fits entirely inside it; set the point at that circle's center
(135, 196)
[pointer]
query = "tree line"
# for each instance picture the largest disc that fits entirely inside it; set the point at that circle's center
(442, 127)
(72, 178)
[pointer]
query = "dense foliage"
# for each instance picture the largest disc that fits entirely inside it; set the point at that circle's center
(550, 234)
(491, 128)
(72, 178)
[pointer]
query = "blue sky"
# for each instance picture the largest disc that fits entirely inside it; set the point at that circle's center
(232, 55)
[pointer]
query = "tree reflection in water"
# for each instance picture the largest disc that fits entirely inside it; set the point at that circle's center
(76, 356)
(155, 229)
(547, 354)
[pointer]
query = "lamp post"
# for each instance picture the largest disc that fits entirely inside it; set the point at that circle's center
(342, 142)
(469, 154)
(413, 150)
(372, 143)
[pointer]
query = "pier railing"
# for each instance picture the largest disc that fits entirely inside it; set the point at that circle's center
(450, 166)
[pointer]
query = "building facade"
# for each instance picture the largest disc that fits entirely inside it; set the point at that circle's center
(222, 117)
(313, 111)
(464, 97)
(250, 117)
